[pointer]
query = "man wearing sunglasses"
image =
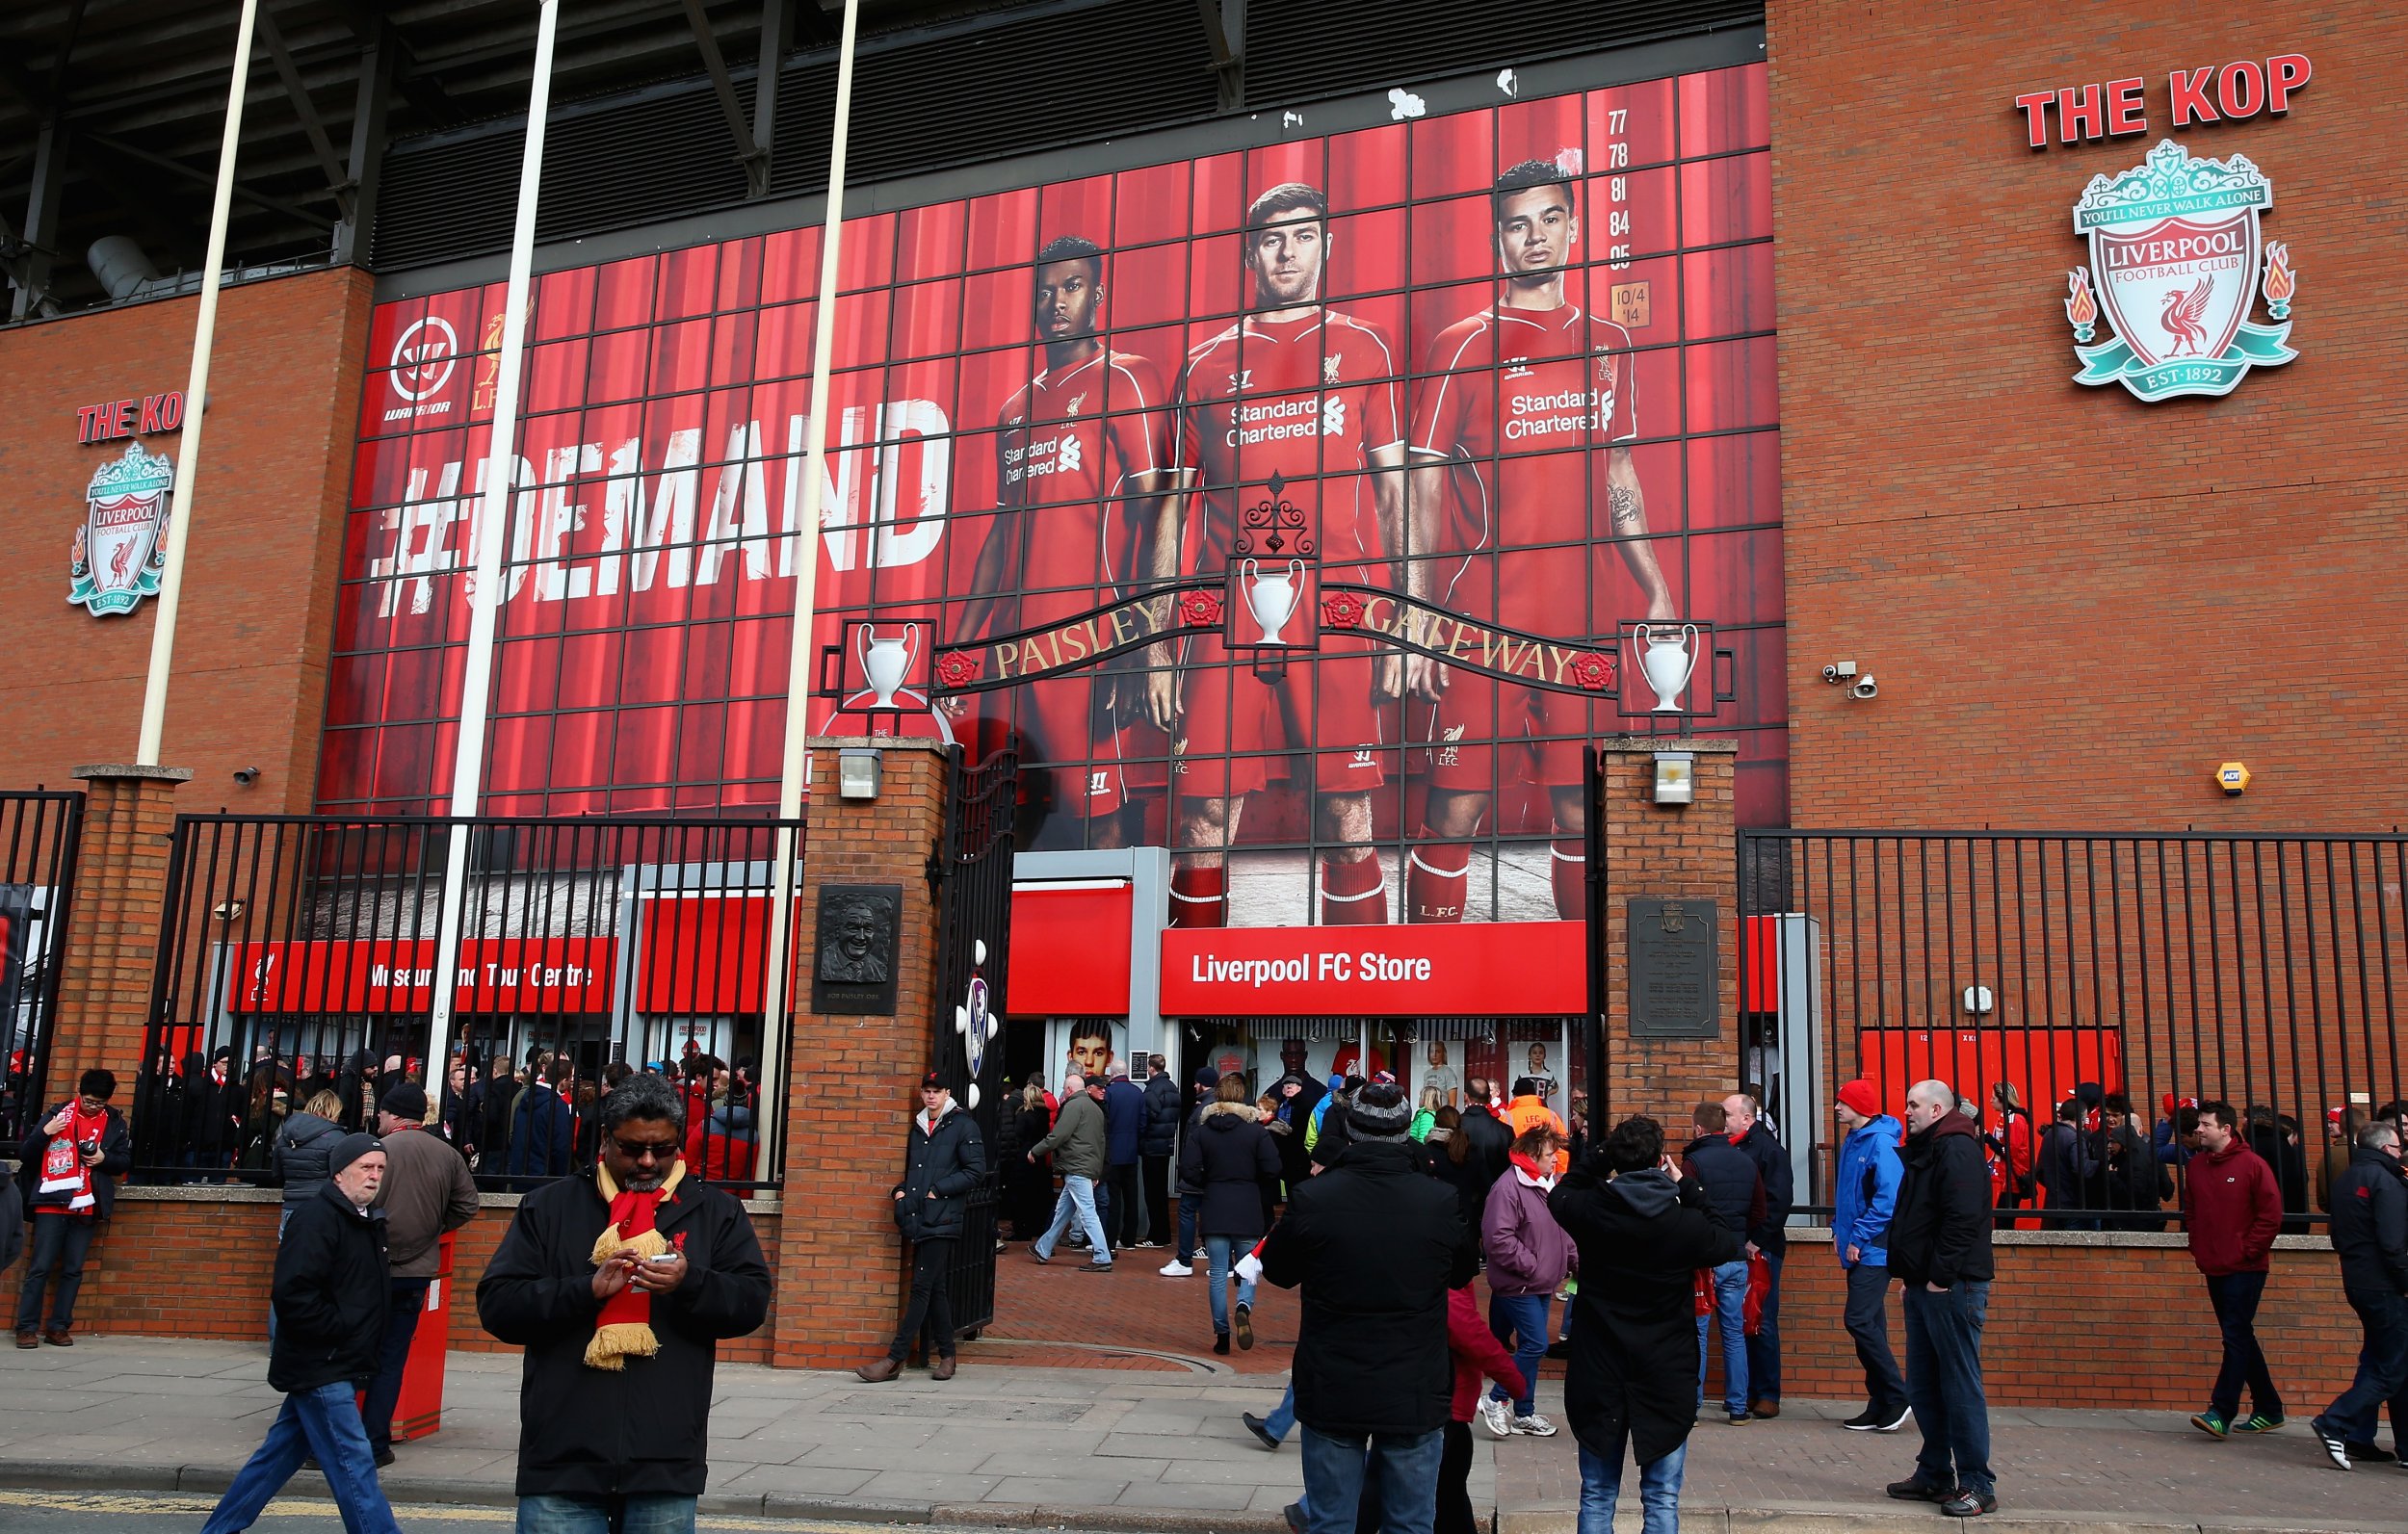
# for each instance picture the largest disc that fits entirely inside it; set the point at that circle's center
(620, 1282)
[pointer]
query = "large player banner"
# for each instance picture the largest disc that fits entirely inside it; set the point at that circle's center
(1516, 363)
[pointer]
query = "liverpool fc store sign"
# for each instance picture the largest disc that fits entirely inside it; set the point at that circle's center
(1448, 408)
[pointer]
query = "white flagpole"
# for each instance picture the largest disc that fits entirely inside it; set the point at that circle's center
(492, 538)
(799, 668)
(195, 396)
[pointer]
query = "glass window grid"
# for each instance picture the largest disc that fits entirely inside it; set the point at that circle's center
(1675, 246)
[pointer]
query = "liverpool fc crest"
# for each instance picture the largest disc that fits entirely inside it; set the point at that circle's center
(121, 549)
(2175, 265)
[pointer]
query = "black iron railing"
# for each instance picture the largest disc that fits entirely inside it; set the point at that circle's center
(2117, 972)
(37, 839)
(297, 965)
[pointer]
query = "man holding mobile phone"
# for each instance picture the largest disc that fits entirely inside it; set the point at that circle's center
(620, 1283)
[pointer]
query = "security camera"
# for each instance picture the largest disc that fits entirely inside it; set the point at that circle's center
(247, 776)
(1866, 687)
(1839, 672)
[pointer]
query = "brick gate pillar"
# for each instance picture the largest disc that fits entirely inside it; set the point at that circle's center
(1669, 852)
(851, 1079)
(114, 917)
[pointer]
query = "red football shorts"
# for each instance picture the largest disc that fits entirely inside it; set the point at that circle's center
(1235, 726)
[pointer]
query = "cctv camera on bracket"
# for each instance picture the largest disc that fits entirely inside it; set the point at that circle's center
(1839, 672)
(247, 776)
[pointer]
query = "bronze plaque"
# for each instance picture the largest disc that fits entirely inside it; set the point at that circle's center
(1675, 961)
(854, 966)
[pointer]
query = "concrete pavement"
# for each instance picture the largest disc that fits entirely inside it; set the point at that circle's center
(1104, 1449)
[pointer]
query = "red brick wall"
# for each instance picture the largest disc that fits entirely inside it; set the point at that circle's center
(841, 1280)
(2123, 1327)
(200, 1267)
(2077, 604)
(262, 561)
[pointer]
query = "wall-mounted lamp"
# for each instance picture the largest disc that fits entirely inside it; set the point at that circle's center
(1979, 1001)
(1676, 777)
(858, 771)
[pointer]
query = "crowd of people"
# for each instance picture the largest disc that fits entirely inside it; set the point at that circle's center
(515, 1120)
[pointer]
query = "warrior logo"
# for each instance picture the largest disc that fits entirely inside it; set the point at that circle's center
(2174, 249)
(424, 358)
(121, 551)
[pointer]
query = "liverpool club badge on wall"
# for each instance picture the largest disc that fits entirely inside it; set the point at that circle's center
(121, 549)
(2176, 265)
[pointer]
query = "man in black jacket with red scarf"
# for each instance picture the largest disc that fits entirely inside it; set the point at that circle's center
(1940, 1250)
(620, 1283)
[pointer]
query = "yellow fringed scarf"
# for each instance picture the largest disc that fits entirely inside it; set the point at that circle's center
(625, 1328)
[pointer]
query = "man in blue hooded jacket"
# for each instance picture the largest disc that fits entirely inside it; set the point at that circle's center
(1863, 1195)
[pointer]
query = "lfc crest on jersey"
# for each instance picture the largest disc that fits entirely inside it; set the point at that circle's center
(2176, 266)
(121, 549)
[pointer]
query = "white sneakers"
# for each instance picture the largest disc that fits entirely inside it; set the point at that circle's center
(1174, 1268)
(1494, 1415)
(1535, 1425)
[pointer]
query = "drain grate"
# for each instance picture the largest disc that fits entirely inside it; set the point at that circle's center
(866, 1403)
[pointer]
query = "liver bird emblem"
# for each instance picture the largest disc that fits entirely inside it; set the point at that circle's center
(2183, 313)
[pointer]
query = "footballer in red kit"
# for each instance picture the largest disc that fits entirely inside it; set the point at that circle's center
(1291, 444)
(1507, 423)
(1082, 457)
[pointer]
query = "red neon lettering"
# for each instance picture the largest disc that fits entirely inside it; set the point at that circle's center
(2124, 108)
(2034, 106)
(2079, 115)
(2241, 88)
(2189, 89)
(2288, 72)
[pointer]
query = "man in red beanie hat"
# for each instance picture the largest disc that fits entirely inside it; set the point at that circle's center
(1863, 1195)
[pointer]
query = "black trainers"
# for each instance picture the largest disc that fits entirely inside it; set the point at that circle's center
(1867, 1421)
(2336, 1448)
(2370, 1453)
(1915, 1489)
(1968, 1503)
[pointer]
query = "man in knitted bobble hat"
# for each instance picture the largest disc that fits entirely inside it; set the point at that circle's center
(620, 1282)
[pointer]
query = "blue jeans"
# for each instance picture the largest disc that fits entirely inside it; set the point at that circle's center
(606, 1514)
(1225, 1251)
(1520, 1320)
(1282, 1420)
(324, 1423)
(1944, 1385)
(1764, 1349)
(1078, 1198)
(1658, 1490)
(1730, 1300)
(406, 1300)
(1336, 1463)
(1191, 1205)
(2234, 1297)
(2382, 1366)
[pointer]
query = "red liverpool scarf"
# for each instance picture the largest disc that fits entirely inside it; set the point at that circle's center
(63, 1167)
(625, 1328)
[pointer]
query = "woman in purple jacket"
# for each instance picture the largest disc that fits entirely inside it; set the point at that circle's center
(1529, 1256)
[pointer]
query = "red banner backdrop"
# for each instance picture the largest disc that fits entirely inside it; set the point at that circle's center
(1565, 429)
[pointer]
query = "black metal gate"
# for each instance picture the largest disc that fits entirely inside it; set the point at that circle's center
(37, 838)
(2119, 970)
(297, 952)
(971, 878)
